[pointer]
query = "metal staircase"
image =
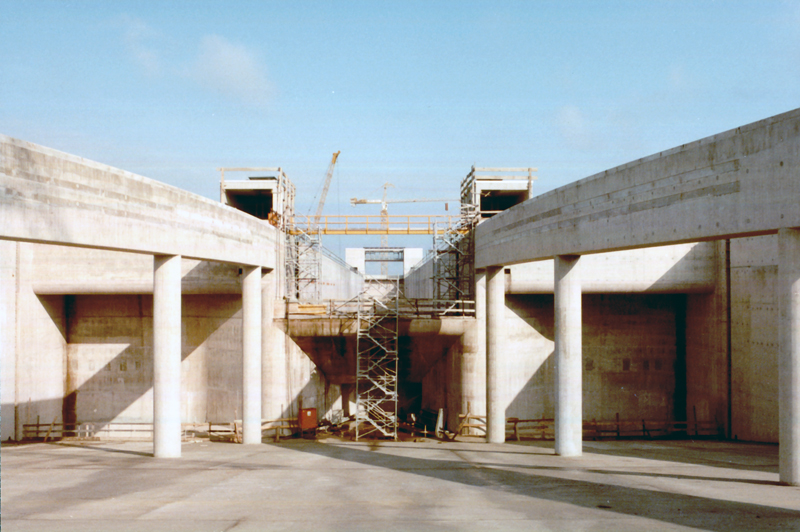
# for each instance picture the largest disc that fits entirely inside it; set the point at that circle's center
(376, 366)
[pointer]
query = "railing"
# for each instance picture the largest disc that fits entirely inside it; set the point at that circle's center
(374, 224)
(408, 308)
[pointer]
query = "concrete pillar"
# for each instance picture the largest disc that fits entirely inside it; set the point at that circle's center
(568, 337)
(251, 354)
(495, 306)
(273, 353)
(167, 356)
(789, 355)
(473, 363)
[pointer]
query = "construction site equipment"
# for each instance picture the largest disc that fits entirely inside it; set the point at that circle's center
(303, 264)
(327, 184)
(359, 224)
(376, 366)
(453, 258)
(268, 197)
(385, 216)
(492, 190)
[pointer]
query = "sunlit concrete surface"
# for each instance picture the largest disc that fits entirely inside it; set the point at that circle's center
(336, 485)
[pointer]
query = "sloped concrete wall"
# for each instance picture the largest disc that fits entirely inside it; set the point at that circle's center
(418, 283)
(338, 280)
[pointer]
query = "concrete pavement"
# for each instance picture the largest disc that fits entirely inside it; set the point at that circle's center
(348, 486)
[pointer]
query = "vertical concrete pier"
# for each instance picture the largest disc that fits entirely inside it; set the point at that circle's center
(167, 356)
(273, 353)
(568, 332)
(251, 354)
(495, 406)
(473, 377)
(789, 355)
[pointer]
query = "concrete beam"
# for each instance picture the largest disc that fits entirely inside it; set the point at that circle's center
(678, 269)
(737, 183)
(55, 198)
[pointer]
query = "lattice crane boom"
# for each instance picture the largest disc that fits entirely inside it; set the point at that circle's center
(325, 188)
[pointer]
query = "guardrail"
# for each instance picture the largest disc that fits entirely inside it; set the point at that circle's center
(408, 308)
(374, 224)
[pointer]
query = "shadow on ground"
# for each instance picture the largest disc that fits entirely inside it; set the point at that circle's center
(675, 508)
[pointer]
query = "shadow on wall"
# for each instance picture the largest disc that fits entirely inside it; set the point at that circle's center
(629, 356)
(109, 360)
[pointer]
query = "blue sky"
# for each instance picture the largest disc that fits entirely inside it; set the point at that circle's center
(412, 93)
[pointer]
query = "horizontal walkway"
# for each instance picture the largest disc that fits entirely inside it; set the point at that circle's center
(347, 486)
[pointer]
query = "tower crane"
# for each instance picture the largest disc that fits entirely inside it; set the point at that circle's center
(315, 223)
(384, 203)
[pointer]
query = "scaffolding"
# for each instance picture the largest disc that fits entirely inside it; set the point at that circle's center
(484, 193)
(453, 258)
(376, 366)
(303, 265)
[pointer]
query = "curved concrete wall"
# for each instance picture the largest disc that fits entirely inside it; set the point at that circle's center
(742, 182)
(57, 198)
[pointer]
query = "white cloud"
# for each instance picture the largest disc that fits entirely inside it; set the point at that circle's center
(136, 35)
(574, 128)
(231, 69)
(677, 77)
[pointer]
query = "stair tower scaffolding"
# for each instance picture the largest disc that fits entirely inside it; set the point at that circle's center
(484, 193)
(376, 366)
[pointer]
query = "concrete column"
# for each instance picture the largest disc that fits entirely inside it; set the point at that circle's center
(495, 306)
(251, 354)
(273, 353)
(167, 356)
(789, 355)
(473, 364)
(568, 337)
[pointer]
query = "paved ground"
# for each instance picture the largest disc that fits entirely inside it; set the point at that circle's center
(347, 486)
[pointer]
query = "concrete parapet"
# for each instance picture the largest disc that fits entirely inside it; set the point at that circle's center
(53, 197)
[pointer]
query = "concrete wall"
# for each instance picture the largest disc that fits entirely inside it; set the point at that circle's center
(707, 348)
(81, 349)
(338, 280)
(110, 353)
(738, 183)
(8, 336)
(629, 358)
(54, 197)
(754, 343)
(38, 350)
(418, 283)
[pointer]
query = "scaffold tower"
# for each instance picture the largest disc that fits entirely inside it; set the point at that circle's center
(453, 259)
(376, 366)
(303, 265)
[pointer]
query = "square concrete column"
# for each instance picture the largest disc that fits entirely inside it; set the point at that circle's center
(251, 354)
(167, 356)
(789, 355)
(568, 353)
(495, 306)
